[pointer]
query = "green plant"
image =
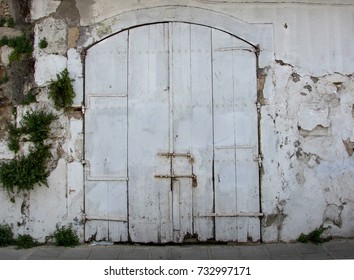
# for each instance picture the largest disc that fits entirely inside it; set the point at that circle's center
(25, 241)
(2, 21)
(11, 22)
(24, 172)
(4, 41)
(61, 91)
(66, 236)
(6, 235)
(14, 137)
(37, 126)
(4, 79)
(22, 46)
(313, 237)
(29, 98)
(43, 43)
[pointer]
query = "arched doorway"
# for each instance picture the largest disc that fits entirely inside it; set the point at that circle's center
(171, 136)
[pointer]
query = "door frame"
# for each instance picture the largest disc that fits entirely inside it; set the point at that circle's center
(258, 36)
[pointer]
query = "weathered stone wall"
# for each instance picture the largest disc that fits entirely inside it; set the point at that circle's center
(307, 113)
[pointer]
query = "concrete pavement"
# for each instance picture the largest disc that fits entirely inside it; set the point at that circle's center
(334, 249)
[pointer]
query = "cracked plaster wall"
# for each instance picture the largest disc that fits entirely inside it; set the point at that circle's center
(307, 115)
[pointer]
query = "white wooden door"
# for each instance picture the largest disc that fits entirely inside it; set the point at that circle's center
(171, 136)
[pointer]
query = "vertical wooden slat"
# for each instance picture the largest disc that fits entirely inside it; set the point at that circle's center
(224, 136)
(246, 130)
(202, 129)
(182, 126)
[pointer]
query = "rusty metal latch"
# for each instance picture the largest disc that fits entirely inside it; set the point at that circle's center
(193, 177)
(187, 155)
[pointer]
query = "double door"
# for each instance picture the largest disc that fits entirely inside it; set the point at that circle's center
(171, 136)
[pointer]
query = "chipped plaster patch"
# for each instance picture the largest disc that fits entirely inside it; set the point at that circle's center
(47, 67)
(349, 146)
(42, 8)
(313, 115)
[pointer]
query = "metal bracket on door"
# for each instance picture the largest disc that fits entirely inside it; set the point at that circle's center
(174, 177)
(187, 155)
(86, 218)
(240, 214)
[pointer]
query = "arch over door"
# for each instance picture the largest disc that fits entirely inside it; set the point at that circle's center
(171, 136)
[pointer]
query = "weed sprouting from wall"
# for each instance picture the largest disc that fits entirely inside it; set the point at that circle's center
(29, 98)
(313, 237)
(61, 90)
(43, 43)
(66, 236)
(24, 172)
(6, 235)
(25, 241)
(22, 46)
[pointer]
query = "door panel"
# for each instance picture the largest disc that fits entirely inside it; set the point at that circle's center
(171, 136)
(235, 139)
(148, 102)
(192, 126)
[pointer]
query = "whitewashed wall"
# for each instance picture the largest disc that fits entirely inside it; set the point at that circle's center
(307, 117)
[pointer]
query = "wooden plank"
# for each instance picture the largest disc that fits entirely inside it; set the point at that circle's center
(180, 37)
(202, 129)
(224, 135)
(148, 134)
